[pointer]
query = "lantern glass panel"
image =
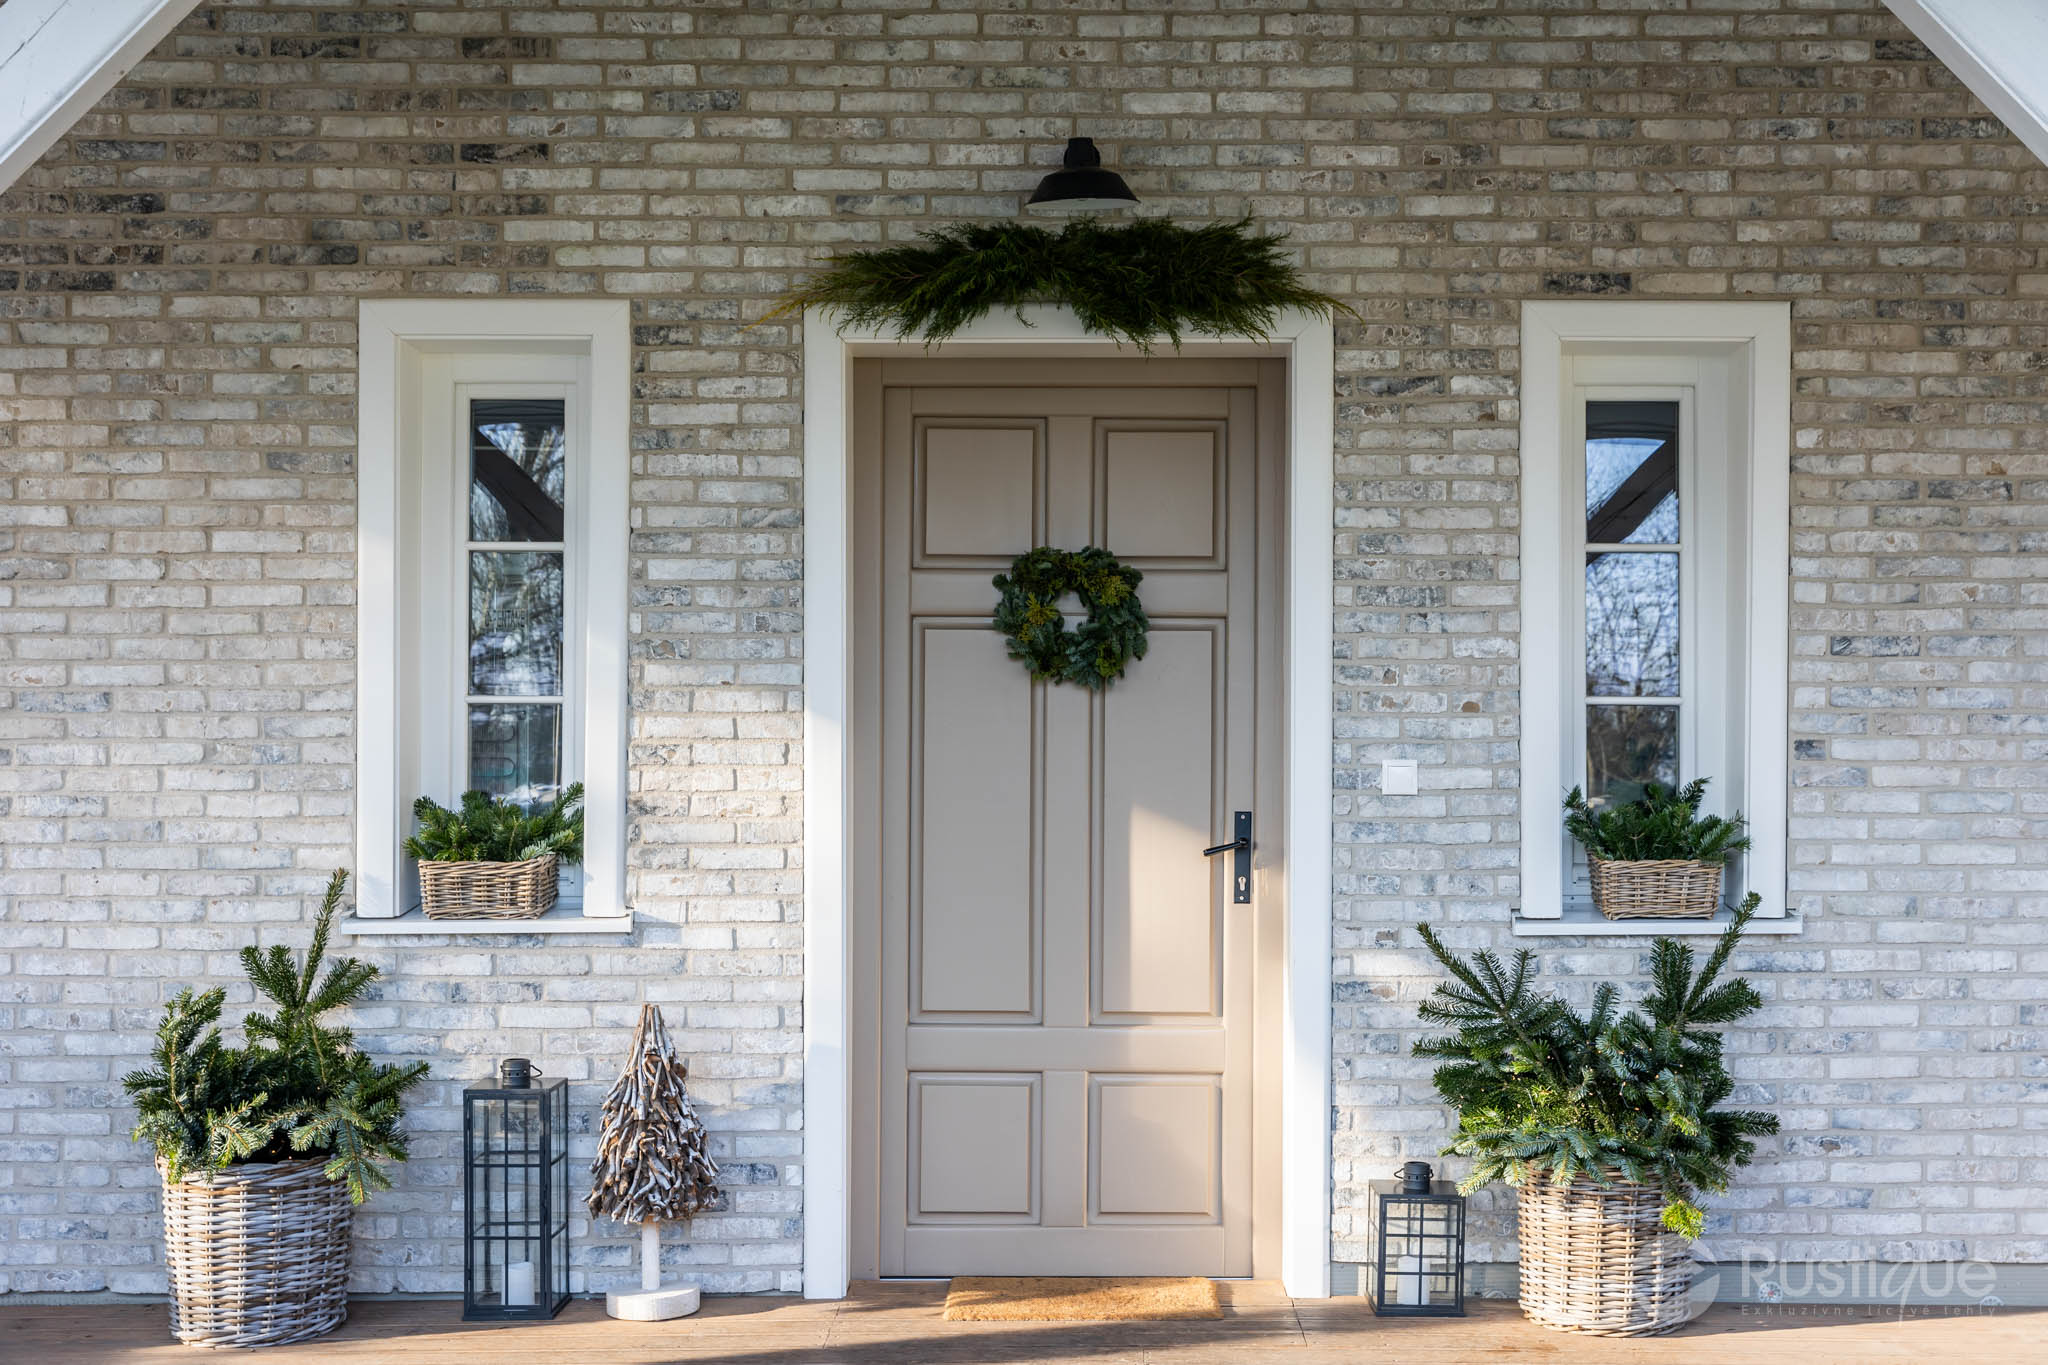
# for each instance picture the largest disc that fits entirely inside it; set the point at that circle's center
(1418, 1250)
(558, 1201)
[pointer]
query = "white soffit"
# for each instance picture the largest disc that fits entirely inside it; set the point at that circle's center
(58, 57)
(1998, 48)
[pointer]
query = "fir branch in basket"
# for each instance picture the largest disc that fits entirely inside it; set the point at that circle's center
(1542, 1092)
(488, 830)
(1663, 824)
(298, 1088)
(1135, 281)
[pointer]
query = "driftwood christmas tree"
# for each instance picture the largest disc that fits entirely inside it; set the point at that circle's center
(652, 1166)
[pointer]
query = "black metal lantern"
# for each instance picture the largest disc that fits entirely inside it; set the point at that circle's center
(1417, 1227)
(515, 1180)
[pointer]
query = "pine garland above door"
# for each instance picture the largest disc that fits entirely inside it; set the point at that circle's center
(1137, 281)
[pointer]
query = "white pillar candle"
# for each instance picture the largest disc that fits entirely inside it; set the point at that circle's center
(1411, 1282)
(519, 1284)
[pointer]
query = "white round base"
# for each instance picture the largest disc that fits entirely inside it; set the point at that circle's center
(653, 1305)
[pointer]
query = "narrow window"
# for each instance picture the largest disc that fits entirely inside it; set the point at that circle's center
(517, 541)
(500, 540)
(1633, 616)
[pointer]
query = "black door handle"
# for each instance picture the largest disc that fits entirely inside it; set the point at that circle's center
(1241, 871)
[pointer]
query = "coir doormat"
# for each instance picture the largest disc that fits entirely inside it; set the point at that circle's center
(1046, 1298)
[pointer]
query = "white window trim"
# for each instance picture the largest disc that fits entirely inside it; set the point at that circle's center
(1307, 344)
(1760, 334)
(394, 335)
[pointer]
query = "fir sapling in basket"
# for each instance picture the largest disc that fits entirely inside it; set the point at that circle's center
(494, 859)
(264, 1148)
(1609, 1124)
(1656, 857)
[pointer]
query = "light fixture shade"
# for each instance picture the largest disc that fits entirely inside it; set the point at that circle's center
(1081, 185)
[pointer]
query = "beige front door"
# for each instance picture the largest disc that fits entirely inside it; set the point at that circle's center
(1065, 1003)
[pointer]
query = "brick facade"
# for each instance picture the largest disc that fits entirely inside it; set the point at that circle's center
(178, 290)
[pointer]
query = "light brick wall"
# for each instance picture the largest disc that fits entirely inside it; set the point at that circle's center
(178, 287)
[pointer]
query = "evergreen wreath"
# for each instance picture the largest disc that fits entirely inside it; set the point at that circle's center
(1028, 612)
(1135, 281)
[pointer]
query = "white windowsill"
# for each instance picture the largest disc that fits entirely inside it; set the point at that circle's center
(563, 919)
(1581, 920)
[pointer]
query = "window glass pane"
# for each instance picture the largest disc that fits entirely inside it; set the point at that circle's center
(515, 623)
(1632, 624)
(1632, 473)
(518, 469)
(515, 750)
(1627, 747)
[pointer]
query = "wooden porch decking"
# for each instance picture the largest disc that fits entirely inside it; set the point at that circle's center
(899, 1324)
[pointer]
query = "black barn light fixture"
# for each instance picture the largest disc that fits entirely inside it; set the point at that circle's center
(1081, 185)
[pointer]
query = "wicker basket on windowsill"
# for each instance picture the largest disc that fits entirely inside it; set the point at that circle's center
(1663, 888)
(521, 890)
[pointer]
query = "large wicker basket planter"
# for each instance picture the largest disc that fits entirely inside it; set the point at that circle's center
(1668, 888)
(522, 890)
(1596, 1259)
(258, 1255)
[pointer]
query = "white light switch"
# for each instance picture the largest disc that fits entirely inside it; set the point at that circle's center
(1400, 777)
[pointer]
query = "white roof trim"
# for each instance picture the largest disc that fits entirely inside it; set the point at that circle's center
(58, 57)
(1999, 49)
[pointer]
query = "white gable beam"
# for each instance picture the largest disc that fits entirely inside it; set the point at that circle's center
(58, 57)
(1998, 48)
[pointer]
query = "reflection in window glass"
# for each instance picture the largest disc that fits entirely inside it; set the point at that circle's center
(515, 623)
(1628, 747)
(1631, 597)
(515, 751)
(1610, 465)
(1632, 624)
(518, 470)
(517, 499)
(1632, 473)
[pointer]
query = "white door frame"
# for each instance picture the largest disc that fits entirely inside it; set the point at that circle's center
(1305, 342)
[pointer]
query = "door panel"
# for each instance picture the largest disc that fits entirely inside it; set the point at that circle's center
(1163, 492)
(974, 1141)
(1161, 789)
(1157, 1147)
(975, 490)
(972, 900)
(1064, 999)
